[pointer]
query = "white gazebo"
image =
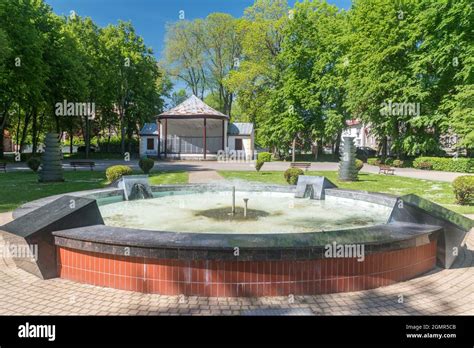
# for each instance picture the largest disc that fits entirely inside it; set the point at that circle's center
(194, 130)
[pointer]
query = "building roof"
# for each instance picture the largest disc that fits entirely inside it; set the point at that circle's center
(149, 129)
(192, 107)
(240, 128)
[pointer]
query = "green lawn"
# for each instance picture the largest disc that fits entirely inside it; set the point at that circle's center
(163, 178)
(17, 188)
(436, 191)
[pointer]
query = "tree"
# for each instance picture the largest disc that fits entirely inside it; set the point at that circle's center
(314, 74)
(178, 97)
(134, 76)
(257, 74)
(184, 55)
(444, 61)
(202, 53)
(24, 72)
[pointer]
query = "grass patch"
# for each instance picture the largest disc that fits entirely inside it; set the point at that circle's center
(17, 188)
(168, 177)
(436, 191)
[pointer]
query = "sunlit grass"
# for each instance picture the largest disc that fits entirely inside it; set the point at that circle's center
(436, 191)
(17, 188)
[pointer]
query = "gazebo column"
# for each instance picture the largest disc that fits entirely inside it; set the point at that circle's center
(226, 136)
(223, 137)
(158, 127)
(166, 137)
(204, 138)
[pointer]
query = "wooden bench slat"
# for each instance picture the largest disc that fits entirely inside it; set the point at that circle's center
(75, 164)
(304, 165)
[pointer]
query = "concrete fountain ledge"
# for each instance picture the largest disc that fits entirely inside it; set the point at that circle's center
(77, 245)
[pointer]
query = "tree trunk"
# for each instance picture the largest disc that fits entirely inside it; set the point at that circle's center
(87, 139)
(293, 148)
(25, 131)
(122, 132)
(316, 149)
(3, 122)
(17, 140)
(1, 143)
(384, 147)
(337, 145)
(71, 141)
(34, 132)
(108, 139)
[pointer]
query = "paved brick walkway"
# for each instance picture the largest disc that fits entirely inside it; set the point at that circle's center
(439, 292)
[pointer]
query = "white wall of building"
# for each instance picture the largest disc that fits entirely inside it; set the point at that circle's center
(143, 145)
(247, 144)
(362, 135)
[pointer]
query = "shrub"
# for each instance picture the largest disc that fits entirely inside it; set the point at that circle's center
(34, 163)
(397, 163)
(388, 161)
(264, 157)
(463, 187)
(291, 175)
(423, 165)
(374, 161)
(259, 165)
(359, 164)
(460, 165)
(146, 164)
(116, 172)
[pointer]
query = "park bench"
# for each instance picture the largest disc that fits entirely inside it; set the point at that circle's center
(3, 166)
(383, 169)
(75, 164)
(301, 165)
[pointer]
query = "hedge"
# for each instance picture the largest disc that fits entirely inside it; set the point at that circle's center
(461, 165)
(374, 161)
(146, 164)
(259, 164)
(359, 164)
(291, 175)
(116, 172)
(463, 187)
(34, 163)
(264, 157)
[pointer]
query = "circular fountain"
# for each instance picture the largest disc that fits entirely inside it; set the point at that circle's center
(198, 240)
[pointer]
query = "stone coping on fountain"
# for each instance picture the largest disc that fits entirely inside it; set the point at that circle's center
(194, 246)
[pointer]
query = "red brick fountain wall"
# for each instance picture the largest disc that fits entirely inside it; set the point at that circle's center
(245, 278)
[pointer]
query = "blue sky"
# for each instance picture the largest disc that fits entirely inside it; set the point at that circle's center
(149, 17)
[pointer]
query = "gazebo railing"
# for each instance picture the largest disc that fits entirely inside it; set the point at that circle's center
(191, 145)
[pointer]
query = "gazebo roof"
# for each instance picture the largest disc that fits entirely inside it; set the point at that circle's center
(193, 107)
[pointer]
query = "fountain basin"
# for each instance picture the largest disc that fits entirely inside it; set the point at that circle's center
(259, 263)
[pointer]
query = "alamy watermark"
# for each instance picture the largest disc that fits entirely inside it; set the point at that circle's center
(22, 251)
(399, 109)
(236, 156)
(82, 109)
(335, 250)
